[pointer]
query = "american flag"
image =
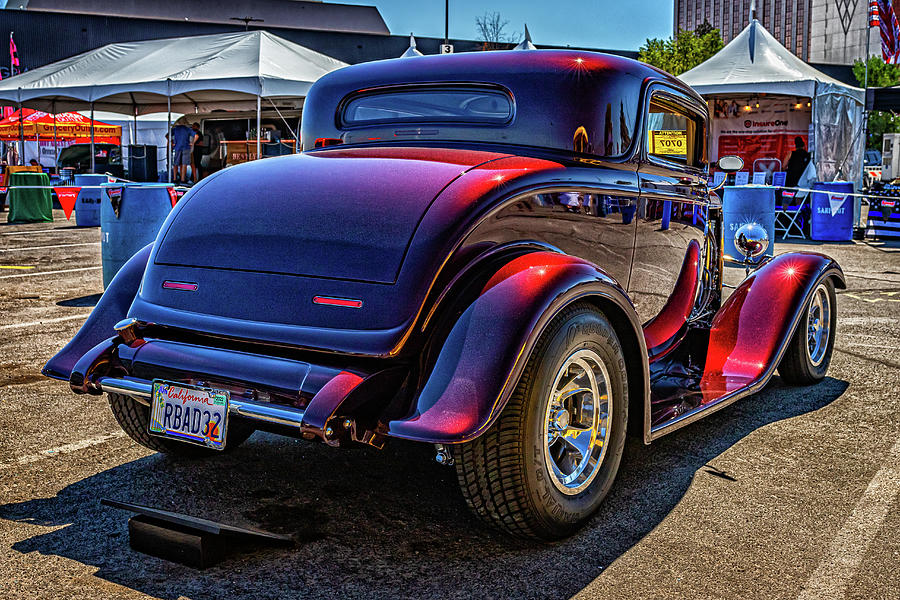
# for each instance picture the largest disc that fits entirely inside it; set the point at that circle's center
(890, 32)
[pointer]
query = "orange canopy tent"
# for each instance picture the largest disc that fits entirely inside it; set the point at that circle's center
(68, 126)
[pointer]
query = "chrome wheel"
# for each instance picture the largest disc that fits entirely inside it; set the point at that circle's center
(576, 424)
(818, 325)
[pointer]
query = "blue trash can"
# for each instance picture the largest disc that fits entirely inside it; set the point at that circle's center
(87, 205)
(143, 207)
(832, 211)
(748, 204)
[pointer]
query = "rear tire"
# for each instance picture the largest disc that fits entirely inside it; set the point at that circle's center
(526, 475)
(808, 354)
(134, 417)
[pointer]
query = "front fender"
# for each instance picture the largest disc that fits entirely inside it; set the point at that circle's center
(112, 308)
(485, 352)
(751, 331)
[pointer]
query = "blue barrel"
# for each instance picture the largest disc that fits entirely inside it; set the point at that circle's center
(142, 209)
(832, 211)
(87, 206)
(748, 204)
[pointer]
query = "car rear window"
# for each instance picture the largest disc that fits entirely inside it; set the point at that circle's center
(417, 105)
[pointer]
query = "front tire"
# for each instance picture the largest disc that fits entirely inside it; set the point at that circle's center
(549, 460)
(134, 417)
(808, 355)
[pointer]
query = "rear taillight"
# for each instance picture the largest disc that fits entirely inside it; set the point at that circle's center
(345, 302)
(180, 285)
(324, 142)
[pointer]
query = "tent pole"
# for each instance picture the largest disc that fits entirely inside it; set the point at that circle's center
(857, 212)
(93, 160)
(169, 129)
(21, 136)
(21, 131)
(55, 140)
(258, 125)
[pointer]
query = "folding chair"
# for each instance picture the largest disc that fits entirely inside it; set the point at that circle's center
(741, 178)
(789, 216)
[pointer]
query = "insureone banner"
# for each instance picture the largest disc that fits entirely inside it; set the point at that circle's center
(759, 130)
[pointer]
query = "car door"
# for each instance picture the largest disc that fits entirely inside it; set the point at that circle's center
(672, 213)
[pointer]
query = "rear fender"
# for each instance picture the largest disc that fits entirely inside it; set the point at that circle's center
(482, 358)
(112, 308)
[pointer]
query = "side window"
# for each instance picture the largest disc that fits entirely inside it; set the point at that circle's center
(674, 134)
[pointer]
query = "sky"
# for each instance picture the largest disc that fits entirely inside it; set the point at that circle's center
(609, 24)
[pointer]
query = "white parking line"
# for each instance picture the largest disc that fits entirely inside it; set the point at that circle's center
(30, 231)
(867, 320)
(74, 446)
(50, 272)
(48, 247)
(849, 547)
(44, 321)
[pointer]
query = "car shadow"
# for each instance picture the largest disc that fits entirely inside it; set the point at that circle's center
(82, 301)
(374, 523)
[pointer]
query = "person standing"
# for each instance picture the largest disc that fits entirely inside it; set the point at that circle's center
(182, 138)
(198, 149)
(797, 162)
(12, 154)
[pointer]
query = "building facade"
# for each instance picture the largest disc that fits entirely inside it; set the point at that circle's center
(817, 31)
(44, 34)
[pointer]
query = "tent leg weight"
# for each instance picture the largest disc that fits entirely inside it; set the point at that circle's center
(168, 541)
(188, 540)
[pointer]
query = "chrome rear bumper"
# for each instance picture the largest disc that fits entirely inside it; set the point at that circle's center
(275, 414)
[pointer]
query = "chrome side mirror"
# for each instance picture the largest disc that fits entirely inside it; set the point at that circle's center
(730, 164)
(727, 164)
(751, 240)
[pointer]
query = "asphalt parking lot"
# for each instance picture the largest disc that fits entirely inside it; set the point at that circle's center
(791, 493)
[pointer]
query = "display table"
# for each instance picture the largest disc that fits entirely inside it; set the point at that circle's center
(29, 205)
(237, 152)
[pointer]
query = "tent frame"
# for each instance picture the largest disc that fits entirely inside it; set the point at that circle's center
(252, 65)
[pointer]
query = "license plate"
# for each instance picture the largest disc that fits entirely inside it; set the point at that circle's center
(189, 413)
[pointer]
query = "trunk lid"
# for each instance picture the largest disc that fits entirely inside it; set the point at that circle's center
(339, 214)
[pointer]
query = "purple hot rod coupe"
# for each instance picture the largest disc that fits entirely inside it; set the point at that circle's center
(512, 256)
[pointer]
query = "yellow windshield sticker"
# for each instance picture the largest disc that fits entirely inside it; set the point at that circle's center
(668, 142)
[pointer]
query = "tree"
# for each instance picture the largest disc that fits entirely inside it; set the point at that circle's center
(880, 75)
(491, 30)
(682, 52)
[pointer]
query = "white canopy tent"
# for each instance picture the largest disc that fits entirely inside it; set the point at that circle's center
(755, 63)
(231, 71)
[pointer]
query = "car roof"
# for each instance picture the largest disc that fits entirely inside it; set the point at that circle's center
(556, 92)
